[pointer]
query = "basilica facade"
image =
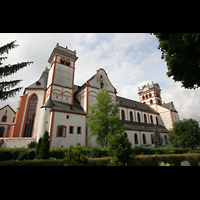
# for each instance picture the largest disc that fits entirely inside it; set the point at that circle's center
(54, 103)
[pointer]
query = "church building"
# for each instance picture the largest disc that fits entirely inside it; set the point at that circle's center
(54, 103)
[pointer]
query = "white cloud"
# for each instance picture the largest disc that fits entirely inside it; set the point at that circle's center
(131, 60)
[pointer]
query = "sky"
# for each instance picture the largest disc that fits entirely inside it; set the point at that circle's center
(130, 60)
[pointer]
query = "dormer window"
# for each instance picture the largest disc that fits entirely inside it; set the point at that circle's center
(38, 83)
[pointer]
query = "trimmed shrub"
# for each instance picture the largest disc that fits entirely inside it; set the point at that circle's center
(95, 153)
(75, 157)
(119, 148)
(32, 144)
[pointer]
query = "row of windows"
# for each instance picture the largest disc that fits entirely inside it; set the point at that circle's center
(144, 138)
(150, 95)
(4, 118)
(138, 117)
(62, 130)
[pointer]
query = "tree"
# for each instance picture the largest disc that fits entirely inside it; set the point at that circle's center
(157, 137)
(119, 148)
(104, 121)
(5, 86)
(38, 147)
(186, 133)
(181, 52)
(44, 147)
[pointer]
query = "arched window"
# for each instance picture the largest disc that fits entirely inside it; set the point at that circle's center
(147, 97)
(125, 134)
(131, 116)
(30, 117)
(151, 118)
(151, 101)
(166, 142)
(138, 117)
(2, 131)
(136, 138)
(145, 118)
(4, 118)
(144, 138)
(152, 140)
(62, 61)
(123, 115)
(157, 120)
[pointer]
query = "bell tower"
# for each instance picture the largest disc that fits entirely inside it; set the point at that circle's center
(150, 94)
(60, 83)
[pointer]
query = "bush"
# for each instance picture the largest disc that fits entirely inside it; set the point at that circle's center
(119, 148)
(152, 160)
(32, 144)
(75, 157)
(95, 153)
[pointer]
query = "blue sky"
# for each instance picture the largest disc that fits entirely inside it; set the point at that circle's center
(130, 60)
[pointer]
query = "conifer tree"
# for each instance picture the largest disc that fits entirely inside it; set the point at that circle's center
(5, 86)
(44, 147)
(157, 137)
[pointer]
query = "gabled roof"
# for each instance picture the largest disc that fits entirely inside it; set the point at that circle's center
(169, 106)
(134, 104)
(9, 107)
(42, 82)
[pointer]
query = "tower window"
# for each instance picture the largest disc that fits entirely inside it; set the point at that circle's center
(62, 62)
(151, 101)
(101, 85)
(67, 63)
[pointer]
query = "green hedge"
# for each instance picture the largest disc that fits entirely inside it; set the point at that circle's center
(140, 160)
(152, 160)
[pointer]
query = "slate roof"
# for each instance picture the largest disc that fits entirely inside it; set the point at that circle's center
(169, 106)
(134, 104)
(55, 105)
(139, 126)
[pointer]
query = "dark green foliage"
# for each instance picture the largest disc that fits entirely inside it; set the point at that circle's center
(5, 86)
(119, 148)
(44, 148)
(32, 144)
(186, 133)
(95, 153)
(27, 155)
(181, 52)
(75, 157)
(38, 147)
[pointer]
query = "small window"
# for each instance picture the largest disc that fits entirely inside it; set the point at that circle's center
(78, 130)
(67, 116)
(125, 134)
(166, 142)
(151, 101)
(71, 129)
(145, 118)
(101, 76)
(152, 140)
(1, 131)
(13, 119)
(138, 116)
(131, 116)
(38, 83)
(4, 118)
(136, 138)
(101, 85)
(151, 118)
(67, 63)
(62, 62)
(150, 95)
(147, 97)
